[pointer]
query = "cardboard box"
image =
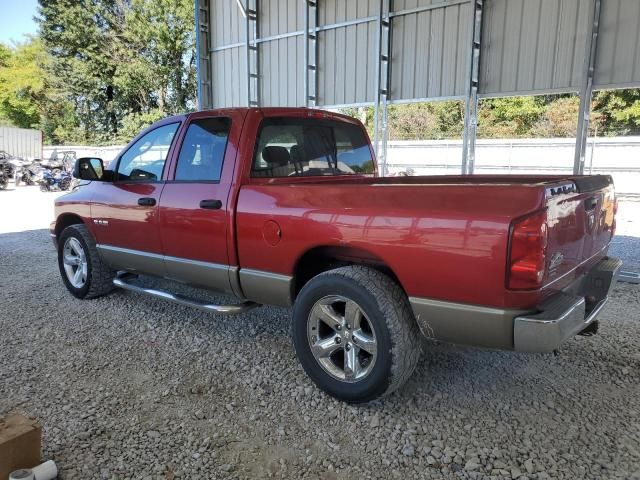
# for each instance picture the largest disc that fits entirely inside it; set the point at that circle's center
(20, 444)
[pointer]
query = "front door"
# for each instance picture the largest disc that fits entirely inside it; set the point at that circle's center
(125, 211)
(194, 206)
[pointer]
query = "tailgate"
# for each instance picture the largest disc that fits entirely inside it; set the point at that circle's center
(580, 221)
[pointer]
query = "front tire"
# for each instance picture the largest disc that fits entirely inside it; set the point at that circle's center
(83, 272)
(355, 334)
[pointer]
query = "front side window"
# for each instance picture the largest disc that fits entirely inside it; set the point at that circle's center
(202, 151)
(304, 147)
(145, 159)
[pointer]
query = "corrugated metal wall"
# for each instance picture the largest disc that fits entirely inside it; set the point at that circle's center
(281, 60)
(618, 55)
(347, 77)
(528, 47)
(228, 54)
(430, 50)
(533, 46)
(21, 142)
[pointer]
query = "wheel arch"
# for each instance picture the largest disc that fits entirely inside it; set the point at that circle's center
(66, 220)
(320, 259)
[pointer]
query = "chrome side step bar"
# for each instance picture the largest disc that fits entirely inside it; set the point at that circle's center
(629, 277)
(121, 282)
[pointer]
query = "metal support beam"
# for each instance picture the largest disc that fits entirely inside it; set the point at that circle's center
(203, 50)
(242, 9)
(471, 97)
(383, 85)
(586, 92)
(251, 36)
(311, 53)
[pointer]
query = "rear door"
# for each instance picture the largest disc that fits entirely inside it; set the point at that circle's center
(195, 208)
(125, 211)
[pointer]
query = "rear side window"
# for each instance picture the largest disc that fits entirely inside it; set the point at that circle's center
(202, 151)
(144, 160)
(305, 147)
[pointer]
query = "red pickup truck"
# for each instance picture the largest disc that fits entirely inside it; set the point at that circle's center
(284, 206)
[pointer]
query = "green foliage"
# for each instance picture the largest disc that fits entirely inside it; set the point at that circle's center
(133, 123)
(435, 120)
(22, 88)
(114, 66)
(613, 112)
(509, 117)
(619, 110)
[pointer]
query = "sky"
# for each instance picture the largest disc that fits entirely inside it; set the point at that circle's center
(16, 19)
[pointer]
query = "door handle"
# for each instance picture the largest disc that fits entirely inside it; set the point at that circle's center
(146, 201)
(211, 204)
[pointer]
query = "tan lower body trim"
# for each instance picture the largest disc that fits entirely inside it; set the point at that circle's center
(266, 287)
(463, 323)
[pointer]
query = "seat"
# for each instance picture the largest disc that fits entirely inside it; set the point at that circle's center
(277, 159)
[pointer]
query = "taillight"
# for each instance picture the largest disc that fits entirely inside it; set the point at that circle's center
(528, 250)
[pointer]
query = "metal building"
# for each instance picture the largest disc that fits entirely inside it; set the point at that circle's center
(21, 142)
(334, 53)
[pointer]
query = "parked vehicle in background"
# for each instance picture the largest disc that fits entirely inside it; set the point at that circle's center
(55, 180)
(7, 170)
(62, 160)
(30, 173)
(21, 172)
(283, 206)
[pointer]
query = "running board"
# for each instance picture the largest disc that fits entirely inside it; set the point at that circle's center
(121, 282)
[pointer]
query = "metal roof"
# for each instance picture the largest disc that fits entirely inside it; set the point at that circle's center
(334, 52)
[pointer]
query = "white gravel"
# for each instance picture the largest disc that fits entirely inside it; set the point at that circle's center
(131, 387)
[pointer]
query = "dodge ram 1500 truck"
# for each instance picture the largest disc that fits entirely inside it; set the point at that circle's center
(284, 206)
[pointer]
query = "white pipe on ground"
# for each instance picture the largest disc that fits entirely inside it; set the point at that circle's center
(45, 471)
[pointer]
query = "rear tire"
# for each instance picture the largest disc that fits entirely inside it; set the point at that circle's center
(355, 363)
(77, 251)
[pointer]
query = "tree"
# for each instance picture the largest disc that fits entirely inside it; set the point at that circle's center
(509, 117)
(620, 111)
(120, 59)
(22, 88)
(163, 32)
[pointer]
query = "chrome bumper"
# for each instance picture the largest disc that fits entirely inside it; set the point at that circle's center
(567, 313)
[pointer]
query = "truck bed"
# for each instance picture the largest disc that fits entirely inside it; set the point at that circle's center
(446, 237)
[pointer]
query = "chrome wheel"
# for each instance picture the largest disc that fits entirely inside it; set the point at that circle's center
(75, 262)
(342, 339)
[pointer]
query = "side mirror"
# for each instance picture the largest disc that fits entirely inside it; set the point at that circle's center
(88, 168)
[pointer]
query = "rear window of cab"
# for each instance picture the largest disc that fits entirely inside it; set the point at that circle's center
(307, 147)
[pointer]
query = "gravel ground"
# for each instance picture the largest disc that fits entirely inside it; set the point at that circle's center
(131, 387)
(626, 244)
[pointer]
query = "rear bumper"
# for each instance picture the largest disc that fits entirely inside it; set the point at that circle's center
(567, 313)
(559, 318)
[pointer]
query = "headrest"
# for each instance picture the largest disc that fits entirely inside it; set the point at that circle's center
(275, 156)
(296, 154)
